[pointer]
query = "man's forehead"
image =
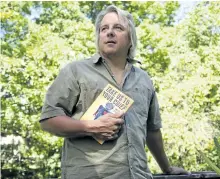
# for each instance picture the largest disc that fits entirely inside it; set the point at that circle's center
(108, 19)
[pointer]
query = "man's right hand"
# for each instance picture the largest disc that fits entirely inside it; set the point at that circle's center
(107, 126)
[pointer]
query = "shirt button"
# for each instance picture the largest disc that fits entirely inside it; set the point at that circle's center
(131, 167)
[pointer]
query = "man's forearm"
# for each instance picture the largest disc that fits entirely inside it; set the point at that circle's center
(105, 128)
(64, 126)
(155, 145)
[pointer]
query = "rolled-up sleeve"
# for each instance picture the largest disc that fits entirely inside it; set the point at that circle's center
(61, 96)
(154, 118)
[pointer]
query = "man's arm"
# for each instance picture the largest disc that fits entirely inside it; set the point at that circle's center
(105, 128)
(155, 145)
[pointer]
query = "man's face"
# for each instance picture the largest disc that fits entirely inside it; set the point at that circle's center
(113, 36)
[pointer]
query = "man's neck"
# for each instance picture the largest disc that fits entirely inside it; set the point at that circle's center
(117, 63)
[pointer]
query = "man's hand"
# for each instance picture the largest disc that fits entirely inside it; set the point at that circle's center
(177, 171)
(107, 126)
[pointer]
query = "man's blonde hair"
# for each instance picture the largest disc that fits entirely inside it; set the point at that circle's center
(127, 17)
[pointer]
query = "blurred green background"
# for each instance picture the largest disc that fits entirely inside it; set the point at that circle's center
(180, 51)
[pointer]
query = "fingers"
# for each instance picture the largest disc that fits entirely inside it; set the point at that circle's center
(110, 137)
(115, 136)
(178, 171)
(109, 134)
(114, 130)
(119, 121)
(115, 118)
(116, 115)
(117, 128)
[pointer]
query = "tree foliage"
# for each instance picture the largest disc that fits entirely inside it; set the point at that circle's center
(161, 13)
(183, 61)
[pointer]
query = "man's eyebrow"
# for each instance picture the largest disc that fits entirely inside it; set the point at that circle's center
(123, 26)
(117, 24)
(102, 25)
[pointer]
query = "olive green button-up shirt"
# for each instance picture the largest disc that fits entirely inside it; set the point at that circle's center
(73, 91)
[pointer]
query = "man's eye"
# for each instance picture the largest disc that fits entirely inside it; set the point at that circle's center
(104, 28)
(119, 27)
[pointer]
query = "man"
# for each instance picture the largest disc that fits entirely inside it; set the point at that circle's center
(123, 153)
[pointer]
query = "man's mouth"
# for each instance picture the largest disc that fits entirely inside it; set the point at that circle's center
(111, 42)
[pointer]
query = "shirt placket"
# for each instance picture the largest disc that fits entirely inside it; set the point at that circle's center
(110, 72)
(126, 125)
(126, 73)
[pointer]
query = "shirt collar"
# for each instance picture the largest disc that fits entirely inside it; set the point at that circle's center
(97, 57)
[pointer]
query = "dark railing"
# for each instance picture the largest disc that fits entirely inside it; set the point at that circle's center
(209, 175)
(10, 174)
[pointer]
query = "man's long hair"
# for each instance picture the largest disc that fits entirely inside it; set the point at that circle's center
(126, 17)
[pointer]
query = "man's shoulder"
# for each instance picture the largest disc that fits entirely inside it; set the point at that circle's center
(78, 67)
(144, 77)
(142, 72)
(81, 63)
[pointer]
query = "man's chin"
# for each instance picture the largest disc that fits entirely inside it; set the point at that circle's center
(110, 53)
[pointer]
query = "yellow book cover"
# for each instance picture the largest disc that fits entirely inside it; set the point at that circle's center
(110, 100)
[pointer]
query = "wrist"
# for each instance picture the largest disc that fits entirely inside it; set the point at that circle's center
(167, 170)
(88, 127)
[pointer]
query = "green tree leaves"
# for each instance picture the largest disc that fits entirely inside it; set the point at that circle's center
(183, 60)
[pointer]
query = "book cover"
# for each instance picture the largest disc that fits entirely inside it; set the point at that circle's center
(110, 100)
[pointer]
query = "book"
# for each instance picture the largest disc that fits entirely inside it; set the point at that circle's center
(110, 100)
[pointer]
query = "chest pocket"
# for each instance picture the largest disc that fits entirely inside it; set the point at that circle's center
(90, 90)
(141, 96)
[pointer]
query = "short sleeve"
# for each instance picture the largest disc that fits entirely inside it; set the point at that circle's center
(61, 96)
(154, 118)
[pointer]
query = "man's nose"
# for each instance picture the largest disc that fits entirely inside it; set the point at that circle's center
(110, 33)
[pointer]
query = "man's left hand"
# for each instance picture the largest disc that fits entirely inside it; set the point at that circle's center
(177, 171)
